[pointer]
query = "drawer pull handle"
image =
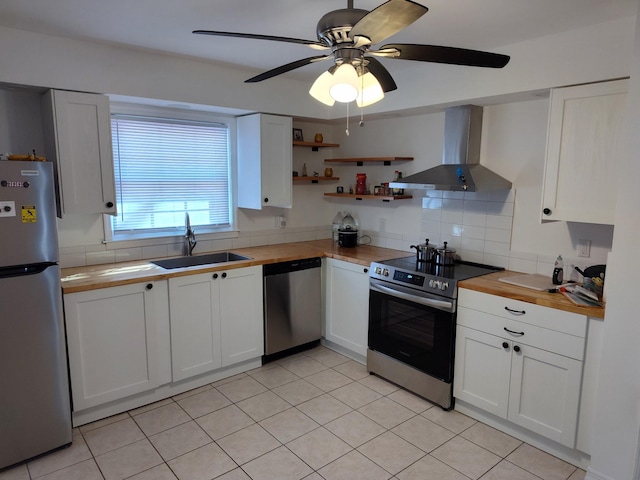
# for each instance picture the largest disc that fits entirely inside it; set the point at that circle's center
(515, 312)
(513, 332)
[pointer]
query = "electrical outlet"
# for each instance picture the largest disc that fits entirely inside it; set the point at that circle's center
(382, 224)
(584, 248)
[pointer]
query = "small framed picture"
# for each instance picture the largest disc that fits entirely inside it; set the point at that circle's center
(297, 135)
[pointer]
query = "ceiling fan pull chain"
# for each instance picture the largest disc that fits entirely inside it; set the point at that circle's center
(361, 99)
(347, 130)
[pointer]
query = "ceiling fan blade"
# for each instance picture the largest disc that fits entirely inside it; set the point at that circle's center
(450, 55)
(286, 68)
(387, 19)
(309, 43)
(382, 75)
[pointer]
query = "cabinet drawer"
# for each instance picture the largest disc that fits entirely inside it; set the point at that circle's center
(529, 313)
(522, 333)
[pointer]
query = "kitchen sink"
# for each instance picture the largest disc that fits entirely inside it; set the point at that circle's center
(192, 261)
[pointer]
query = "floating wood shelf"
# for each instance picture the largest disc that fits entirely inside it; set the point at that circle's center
(384, 198)
(313, 179)
(360, 161)
(314, 145)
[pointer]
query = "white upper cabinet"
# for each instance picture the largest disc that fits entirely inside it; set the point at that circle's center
(265, 153)
(584, 145)
(78, 138)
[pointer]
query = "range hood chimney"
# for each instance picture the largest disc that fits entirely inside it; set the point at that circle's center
(460, 169)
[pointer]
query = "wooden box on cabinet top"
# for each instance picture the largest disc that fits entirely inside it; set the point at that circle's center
(77, 129)
(584, 145)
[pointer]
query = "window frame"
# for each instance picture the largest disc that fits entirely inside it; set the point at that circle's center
(170, 236)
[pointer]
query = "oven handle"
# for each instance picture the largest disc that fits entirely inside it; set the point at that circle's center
(429, 302)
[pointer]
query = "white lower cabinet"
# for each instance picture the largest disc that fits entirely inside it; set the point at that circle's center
(521, 362)
(118, 342)
(347, 305)
(216, 320)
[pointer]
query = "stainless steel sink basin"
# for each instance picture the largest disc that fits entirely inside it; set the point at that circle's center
(180, 262)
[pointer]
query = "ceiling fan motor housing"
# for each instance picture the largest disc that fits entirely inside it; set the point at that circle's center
(334, 27)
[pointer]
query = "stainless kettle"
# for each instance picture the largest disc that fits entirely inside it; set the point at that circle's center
(424, 252)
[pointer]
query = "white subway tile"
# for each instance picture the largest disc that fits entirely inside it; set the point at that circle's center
(498, 235)
(499, 221)
(474, 232)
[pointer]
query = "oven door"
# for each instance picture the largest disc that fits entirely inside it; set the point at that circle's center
(413, 327)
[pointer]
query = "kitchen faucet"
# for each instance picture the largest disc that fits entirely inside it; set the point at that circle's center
(189, 237)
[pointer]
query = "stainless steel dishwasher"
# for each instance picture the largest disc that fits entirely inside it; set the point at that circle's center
(292, 304)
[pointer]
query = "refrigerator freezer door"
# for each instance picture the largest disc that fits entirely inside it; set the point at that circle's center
(28, 230)
(35, 410)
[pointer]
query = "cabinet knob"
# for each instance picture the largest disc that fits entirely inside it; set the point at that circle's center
(546, 211)
(516, 348)
(266, 199)
(149, 286)
(366, 270)
(505, 345)
(224, 275)
(109, 204)
(215, 275)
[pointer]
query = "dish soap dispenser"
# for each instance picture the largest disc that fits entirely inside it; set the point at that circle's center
(557, 271)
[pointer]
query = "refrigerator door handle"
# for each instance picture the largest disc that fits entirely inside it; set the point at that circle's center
(22, 270)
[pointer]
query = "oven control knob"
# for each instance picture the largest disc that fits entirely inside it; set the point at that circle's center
(378, 270)
(444, 285)
(385, 272)
(432, 283)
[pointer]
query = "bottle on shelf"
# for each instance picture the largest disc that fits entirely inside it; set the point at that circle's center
(361, 183)
(558, 271)
(397, 176)
(304, 169)
(336, 224)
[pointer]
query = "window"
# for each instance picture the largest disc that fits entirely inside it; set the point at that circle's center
(166, 167)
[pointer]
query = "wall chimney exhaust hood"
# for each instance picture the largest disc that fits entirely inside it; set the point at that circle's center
(460, 169)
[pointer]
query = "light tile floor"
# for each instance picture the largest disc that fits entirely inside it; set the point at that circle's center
(314, 415)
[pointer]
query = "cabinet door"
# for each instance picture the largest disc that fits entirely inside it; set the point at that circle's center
(347, 305)
(265, 153)
(482, 369)
(80, 136)
(584, 145)
(195, 325)
(242, 331)
(545, 393)
(118, 342)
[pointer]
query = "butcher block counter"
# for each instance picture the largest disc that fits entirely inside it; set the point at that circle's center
(93, 277)
(490, 284)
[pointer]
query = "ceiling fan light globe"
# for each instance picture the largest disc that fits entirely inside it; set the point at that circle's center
(345, 84)
(320, 89)
(370, 91)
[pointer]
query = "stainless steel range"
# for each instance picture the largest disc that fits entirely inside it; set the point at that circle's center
(412, 323)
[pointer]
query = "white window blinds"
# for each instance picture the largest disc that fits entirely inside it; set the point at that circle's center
(166, 167)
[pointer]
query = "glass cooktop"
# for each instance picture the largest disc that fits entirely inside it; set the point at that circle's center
(458, 271)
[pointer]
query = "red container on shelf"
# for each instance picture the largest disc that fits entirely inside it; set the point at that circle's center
(361, 183)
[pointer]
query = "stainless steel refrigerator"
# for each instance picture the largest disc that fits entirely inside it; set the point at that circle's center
(35, 411)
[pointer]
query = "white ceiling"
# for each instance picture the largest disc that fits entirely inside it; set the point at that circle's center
(166, 25)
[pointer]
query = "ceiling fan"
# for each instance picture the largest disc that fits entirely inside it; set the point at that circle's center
(350, 34)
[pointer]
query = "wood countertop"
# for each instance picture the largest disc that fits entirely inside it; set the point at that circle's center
(79, 279)
(93, 277)
(490, 284)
